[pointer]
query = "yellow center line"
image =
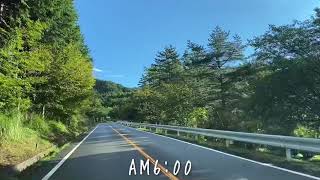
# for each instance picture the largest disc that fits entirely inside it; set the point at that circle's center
(144, 154)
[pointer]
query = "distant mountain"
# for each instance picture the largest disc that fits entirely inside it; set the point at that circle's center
(109, 87)
(111, 93)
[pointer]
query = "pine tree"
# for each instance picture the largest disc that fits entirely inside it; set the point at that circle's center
(167, 68)
(223, 53)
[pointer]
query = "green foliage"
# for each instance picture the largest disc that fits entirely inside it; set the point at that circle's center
(111, 100)
(18, 73)
(45, 72)
(177, 101)
(40, 125)
(176, 90)
(45, 66)
(58, 127)
(303, 131)
(108, 87)
(167, 68)
(71, 82)
(199, 118)
(147, 102)
(11, 127)
(110, 92)
(97, 110)
(287, 85)
(20, 140)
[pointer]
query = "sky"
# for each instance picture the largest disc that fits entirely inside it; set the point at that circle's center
(124, 36)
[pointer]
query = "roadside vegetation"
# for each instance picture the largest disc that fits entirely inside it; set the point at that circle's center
(46, 80)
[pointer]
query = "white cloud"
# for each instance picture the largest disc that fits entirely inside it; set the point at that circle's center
(97, 70)
(107, 73)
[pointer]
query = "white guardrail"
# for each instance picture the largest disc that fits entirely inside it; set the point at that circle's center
(287, 142)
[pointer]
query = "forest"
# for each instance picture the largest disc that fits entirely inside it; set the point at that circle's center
(274, 90)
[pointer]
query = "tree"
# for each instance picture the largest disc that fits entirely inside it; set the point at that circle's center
(287, 94)
(10, 10)
(167, 68)
(23, 61)
(70, 82)
(156, 104)
(223, 53)
(196, 65)
(45, 66)
(147, 103)
(61, 17)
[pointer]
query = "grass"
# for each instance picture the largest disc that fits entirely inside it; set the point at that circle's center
(275, 156)
(17, 142)
(16, 151)
(10, 127)
(21, 138)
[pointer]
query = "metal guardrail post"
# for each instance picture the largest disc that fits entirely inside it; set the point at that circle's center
(228, 142)
(288, 154)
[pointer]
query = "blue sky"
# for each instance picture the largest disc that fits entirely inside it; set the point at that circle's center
(125, 35)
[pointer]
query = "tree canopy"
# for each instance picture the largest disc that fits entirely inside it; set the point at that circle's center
(45, 66)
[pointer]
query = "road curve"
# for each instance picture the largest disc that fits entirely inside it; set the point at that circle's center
(108, 151)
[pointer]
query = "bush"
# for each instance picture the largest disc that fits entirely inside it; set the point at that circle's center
(198, 118)
(303, 131)
(58, 127)
(40, 125)
(15, 127)
(59, 131)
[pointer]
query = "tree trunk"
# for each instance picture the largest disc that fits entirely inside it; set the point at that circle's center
(43, 110)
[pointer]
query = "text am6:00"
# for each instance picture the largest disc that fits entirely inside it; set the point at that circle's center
(144, 167)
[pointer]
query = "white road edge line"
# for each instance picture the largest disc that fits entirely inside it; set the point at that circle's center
(53, 170)
(260, 163)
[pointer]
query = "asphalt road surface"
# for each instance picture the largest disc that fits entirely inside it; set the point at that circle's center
(107, 153)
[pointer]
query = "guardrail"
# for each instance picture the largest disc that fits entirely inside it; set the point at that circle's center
(287, 142)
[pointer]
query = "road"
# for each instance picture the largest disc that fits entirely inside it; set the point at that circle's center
(108, 151)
